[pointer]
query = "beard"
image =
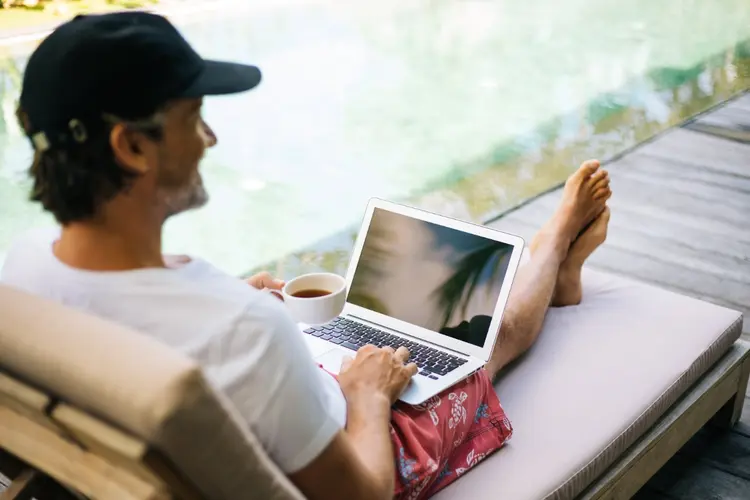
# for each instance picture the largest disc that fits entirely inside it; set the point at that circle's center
(181, 199)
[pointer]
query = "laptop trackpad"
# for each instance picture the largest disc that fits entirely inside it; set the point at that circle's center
(331, 360)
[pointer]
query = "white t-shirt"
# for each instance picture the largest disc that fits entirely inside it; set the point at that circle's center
(249, 346)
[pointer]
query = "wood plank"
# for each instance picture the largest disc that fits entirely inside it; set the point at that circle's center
(637, 238)
(22, 393)
(699, 443)
(69, 464)
(19, 485)
(695, 148)
(736, 273)
(655, 269)
(729, 452)
(701, 482)
(714, 256)
(26, 400)
(659, 225)
(739, 405)
(743, 426)
(728, 116)
(621, 263)
(727, 197)
(122, 449)
(647, 493)
(662, 273)
(729, 131)
(704, 228)
(742, 102)
(672, 472)
(682, 422)
(686, 203)
(668, 169)
(111, 444)
(96, 435)
(731, 222)
(700, 233)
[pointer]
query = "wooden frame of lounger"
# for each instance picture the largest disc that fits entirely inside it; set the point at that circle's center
(83, 453)
(101, 462)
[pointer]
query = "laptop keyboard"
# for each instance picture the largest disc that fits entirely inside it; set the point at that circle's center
(432, 363)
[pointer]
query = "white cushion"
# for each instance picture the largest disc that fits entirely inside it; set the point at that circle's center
(599, 376)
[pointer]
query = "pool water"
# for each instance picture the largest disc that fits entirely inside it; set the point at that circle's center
(464, 107)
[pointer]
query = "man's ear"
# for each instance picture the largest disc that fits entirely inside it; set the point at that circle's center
(127, 148)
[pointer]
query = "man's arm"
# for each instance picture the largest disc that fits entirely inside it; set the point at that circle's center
(269, 375)
(359, 462)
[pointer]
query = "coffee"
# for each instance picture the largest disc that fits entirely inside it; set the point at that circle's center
(311, 293)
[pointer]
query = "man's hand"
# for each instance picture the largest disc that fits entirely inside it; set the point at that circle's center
(359, 461)
(376, 371)
(265, 280)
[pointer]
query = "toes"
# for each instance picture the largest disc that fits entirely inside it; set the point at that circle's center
(589, 167)
(599, 174)
(602, 193)
(600, 179)
(602, 223)
(605, 215)
(586, 169)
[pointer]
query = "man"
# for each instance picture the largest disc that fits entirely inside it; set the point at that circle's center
(112, 107)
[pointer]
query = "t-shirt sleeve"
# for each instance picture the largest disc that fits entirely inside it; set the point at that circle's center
(268, 373)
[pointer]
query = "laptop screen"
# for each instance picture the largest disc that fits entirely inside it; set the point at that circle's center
(432, 276)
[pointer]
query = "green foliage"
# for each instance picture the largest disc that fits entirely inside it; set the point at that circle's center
(456, 291)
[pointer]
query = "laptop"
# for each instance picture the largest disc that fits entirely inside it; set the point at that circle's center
(436, 285)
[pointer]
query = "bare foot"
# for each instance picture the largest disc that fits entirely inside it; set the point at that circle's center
(568, 290)
(584, 198)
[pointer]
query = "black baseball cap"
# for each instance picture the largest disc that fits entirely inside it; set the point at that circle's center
(126, 64)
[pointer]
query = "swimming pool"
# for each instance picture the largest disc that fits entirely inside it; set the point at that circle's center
(466, 107)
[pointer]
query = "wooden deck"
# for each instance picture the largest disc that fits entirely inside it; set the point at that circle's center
(681, 221)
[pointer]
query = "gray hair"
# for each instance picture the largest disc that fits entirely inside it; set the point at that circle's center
(152, 126)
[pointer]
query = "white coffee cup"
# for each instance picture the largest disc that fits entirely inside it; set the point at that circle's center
(315, 298)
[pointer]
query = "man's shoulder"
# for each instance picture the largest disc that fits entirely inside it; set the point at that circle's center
(34, 238)
(28, 253)
(204, 295)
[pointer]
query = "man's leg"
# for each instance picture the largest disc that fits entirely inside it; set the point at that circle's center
(550, 275)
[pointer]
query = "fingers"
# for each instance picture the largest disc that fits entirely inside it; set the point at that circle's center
(265, 280)
(402, 354)
(412, 369)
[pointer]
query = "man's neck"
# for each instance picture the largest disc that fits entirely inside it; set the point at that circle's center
(94, 246)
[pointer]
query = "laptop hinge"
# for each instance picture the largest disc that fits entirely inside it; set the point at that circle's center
(383, 327)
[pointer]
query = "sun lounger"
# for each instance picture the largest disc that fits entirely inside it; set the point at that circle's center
(116, 415)
(593, 402)
(612, 389)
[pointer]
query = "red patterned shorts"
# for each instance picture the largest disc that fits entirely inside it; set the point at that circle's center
(438, 441)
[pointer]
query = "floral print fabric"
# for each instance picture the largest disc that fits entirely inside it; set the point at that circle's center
(438, 441)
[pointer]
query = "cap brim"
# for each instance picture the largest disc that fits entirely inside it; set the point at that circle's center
(219, 78)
